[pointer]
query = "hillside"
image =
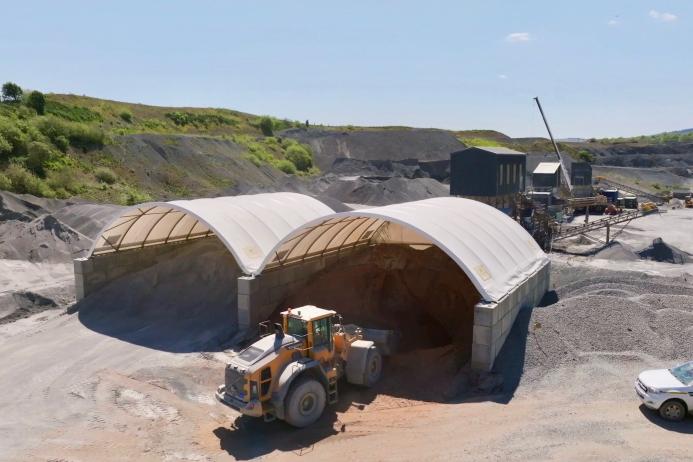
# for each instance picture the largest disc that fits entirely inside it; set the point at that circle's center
(124, 153)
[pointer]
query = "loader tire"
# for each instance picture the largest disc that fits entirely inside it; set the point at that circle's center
(305, 402)
(374, 368)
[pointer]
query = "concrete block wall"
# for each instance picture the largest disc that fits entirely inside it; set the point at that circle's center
(259, 296)
(93, 273)
(493, 321)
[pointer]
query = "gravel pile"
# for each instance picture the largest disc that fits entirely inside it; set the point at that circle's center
(618, 315)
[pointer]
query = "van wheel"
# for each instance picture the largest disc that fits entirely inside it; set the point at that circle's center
(673, 410)
(374, 367)
(305, 402)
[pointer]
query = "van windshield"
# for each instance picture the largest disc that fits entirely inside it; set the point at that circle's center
(297, 327)
(683, 373)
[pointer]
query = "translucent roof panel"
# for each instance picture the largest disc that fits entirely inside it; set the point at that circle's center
(495, 252)
(250, 226)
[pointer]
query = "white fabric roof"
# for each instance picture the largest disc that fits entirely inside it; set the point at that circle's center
(547, 167)
(250, 226)
(495, 252)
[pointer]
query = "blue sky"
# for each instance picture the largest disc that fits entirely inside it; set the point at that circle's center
(601, 68)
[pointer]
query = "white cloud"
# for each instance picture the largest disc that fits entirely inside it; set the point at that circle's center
(613, 22)
(517, 37)
(662, 16)
(502, 76)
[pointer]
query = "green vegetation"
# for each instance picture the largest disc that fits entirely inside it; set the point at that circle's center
(667, 137)
(585, 155)
(200, 120)
(105, 175)
(267, 126)
(126, 115)
(11, 92)
(477, 141)
(37, 101)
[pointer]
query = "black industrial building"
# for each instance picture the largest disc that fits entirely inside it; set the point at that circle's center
(492, 175)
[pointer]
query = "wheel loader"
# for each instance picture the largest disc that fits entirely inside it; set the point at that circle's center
(292, 374)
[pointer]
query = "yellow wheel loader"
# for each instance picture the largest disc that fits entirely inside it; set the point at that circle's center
(292, 374)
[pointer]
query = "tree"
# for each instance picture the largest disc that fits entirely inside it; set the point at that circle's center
(11, 92)
(267, 126)
(586, 156)
(37, 102)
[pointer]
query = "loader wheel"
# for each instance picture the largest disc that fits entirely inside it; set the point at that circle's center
(305, 402)
(374, 367)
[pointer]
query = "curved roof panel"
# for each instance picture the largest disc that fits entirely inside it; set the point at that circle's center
(495, 252)
(250, 226)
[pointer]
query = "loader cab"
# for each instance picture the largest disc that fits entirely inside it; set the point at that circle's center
(314, 325)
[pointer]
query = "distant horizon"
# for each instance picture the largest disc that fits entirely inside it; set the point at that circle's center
(601, 70)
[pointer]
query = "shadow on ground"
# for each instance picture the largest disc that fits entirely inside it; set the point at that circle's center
(510, 362)
(249, 438)
(685, 426)
(173, 333)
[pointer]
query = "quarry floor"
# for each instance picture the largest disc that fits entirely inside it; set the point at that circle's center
(69, 393)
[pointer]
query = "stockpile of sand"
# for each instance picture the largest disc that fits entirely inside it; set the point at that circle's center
(422, 294)
(186, 302)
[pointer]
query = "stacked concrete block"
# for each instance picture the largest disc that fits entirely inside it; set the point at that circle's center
(494, 320)
(93, 273)
(259, 296)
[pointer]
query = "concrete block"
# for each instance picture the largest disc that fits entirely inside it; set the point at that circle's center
(94, 279)
(482, 335)
(481, 356)
(248, 285)
(116, 272)
(483, 315)
(83, 265)
(287, 274)
(277, 293)
(496, 332)
(244, 302)
(506, 323)
(244, 319)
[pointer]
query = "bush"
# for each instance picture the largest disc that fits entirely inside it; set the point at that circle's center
(105, 175)
(72, 113)
(5, 147)
(586, 156)
(25, 182)
(5, 182)
(126, 116)
(61, 143)
(14, 136)
(300, 156)
(199, 119)
(65, 181)
(38, 156)
(286, 166)
(37, 101)
(267, 126)
(78, 134)
(133, 197)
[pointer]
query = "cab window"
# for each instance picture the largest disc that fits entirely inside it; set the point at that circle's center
(321, 333)
(296, 327)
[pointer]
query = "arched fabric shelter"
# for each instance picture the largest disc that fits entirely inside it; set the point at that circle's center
(249, 226)
(495, 252)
